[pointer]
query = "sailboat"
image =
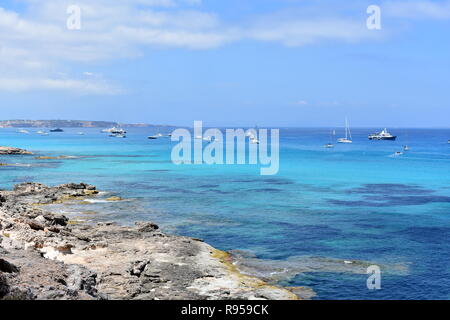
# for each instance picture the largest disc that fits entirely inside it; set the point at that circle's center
(348, 134)
(331, 145)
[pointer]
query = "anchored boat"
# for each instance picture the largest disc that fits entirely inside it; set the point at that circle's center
(383, 135)
(348, 134)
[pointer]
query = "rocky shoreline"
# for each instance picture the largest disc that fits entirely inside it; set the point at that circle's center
(44, 255)
(13, 151)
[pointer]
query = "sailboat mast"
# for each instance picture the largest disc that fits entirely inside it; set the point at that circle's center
(346, 128)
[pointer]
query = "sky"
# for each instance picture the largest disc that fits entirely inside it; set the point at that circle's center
(227, 63)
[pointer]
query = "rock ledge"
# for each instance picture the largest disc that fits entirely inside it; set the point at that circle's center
(43, 256)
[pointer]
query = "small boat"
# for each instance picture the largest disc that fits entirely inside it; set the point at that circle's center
(81, 133)
(118, 131)
(254, 141)
(152, 137)
(398, 153)
(198, 137)
(383, 135)
(114, 130)
(57, 130)
(23, 131)
(208, 139)
(330, 145)
(348, 134)
(405, 148)
(117, 135)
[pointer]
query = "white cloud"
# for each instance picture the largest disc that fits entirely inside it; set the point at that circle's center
(80, 86)
(418, 9)
(36, 45)
(308, 31)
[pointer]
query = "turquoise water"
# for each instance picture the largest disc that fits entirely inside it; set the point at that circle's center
(353, 202)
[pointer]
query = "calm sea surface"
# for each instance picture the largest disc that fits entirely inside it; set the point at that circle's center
(353, 202)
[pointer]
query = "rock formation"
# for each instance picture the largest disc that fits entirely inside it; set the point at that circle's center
(44, 256)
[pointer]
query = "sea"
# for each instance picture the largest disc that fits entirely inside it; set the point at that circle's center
(319, 223)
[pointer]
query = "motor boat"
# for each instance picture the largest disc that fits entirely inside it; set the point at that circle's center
(383, 135)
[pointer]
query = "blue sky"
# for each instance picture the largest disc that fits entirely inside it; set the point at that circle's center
(234, 62)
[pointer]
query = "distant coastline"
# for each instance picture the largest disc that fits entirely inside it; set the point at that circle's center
(70, 124)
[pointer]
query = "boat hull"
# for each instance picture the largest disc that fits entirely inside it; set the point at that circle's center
(393, 138)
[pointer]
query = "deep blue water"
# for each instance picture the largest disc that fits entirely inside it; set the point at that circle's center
(353, 202)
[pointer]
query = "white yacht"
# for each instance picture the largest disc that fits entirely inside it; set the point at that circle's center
(383, 135)
(348, 134)
(118, 135)
(114, 130)
(23, 131)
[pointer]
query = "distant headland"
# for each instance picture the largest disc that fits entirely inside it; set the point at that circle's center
(68, 124)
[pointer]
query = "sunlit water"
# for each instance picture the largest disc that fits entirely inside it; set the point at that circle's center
(353, 202)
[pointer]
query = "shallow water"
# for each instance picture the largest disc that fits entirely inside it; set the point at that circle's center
(353, 202)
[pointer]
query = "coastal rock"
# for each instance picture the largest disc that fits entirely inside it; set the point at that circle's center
(58, 260)
(42, 279)
(146, 226)
(13, 151)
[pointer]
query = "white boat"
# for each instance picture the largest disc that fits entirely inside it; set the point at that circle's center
(253, 140)
(348, 134)
(42, 133)
(330, 145)
(23, 131)
(406, 148)
(383, 135)
(198, 137)
(114, 130)
(208, 139)
(81, 133)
